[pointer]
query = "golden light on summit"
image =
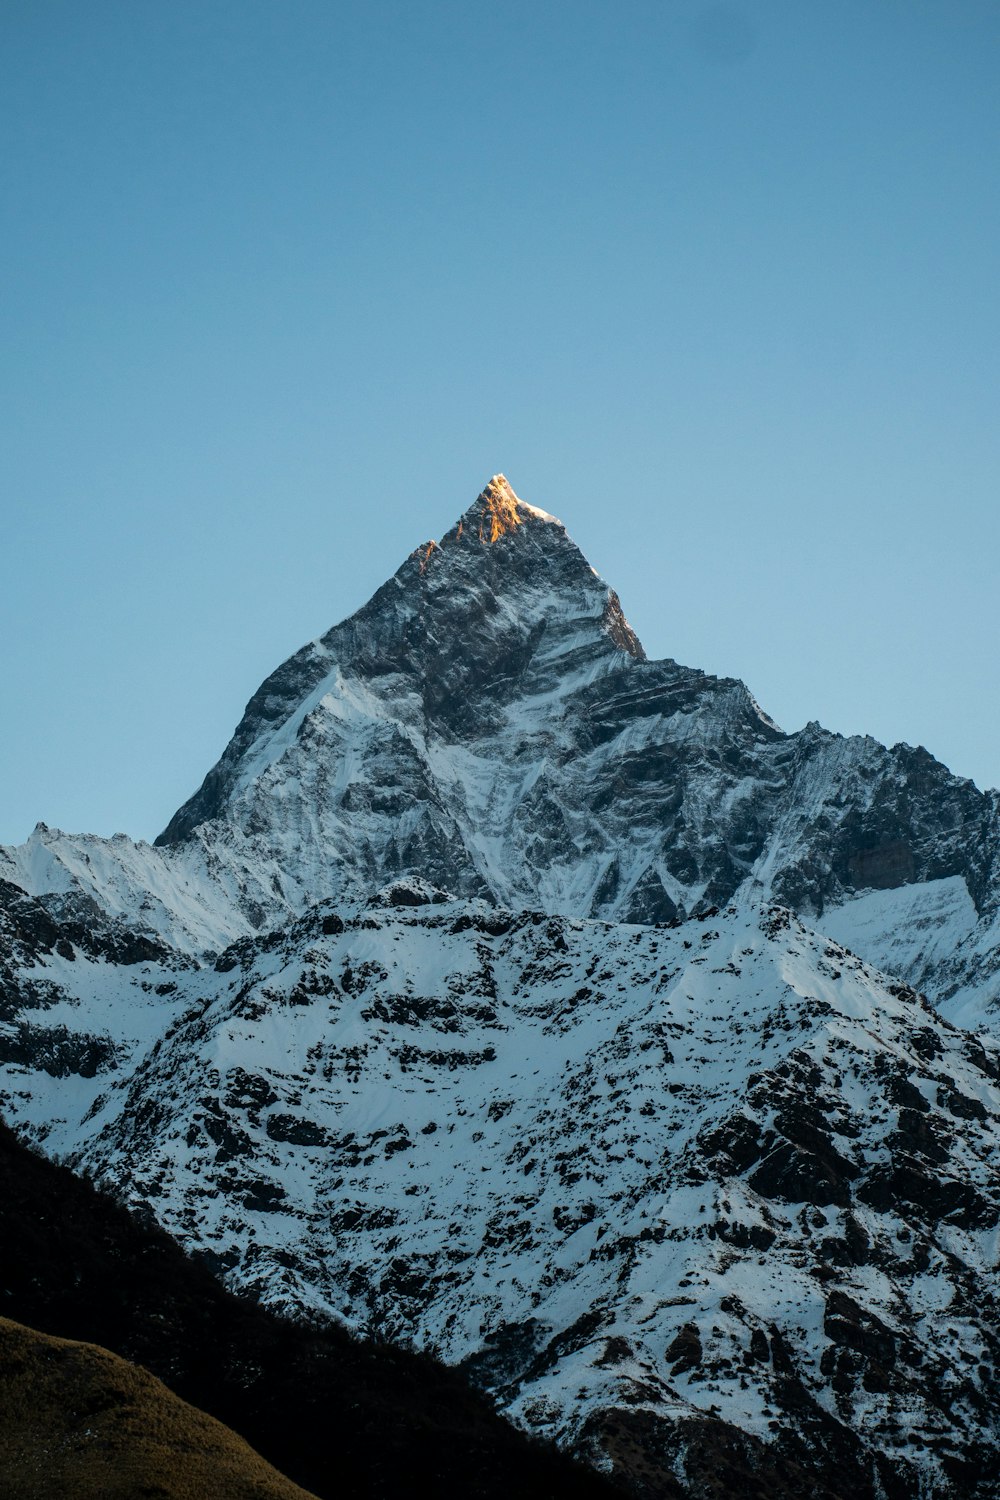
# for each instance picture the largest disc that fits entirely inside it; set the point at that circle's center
(499, 513)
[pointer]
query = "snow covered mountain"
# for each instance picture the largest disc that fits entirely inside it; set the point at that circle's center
(666, 1192)
(467, 1001)
(489, 722)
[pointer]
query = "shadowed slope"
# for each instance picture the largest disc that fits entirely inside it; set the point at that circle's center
(341, 1418)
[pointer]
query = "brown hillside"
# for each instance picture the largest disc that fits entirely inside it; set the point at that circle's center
(81, 1423)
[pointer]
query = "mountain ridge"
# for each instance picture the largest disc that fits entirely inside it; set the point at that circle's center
(393, 618)
(504, 990)
(646, 1185)
(489, 720)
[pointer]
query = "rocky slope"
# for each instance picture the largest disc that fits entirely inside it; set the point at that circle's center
(488, 721)
(345, 1419)
(645, 1184)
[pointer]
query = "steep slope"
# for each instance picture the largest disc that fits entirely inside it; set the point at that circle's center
(78, 1422)
(664, 1191)
(475, 724)
(351, 1421)
(409, 1018)
(489, 722)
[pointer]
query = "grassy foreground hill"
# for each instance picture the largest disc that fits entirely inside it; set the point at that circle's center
(80, 1422)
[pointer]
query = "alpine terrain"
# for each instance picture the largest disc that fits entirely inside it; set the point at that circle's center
(504, 993)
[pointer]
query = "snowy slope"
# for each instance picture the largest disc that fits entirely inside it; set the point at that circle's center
(488, 721)
(635, 1178)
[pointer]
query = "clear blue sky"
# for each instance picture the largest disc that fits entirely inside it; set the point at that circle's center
(285, 283)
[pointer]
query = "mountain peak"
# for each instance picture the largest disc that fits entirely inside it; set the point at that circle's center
(505, 607)
(497, 512)
(501, 488)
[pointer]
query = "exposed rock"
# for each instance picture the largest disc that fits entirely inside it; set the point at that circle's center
(695, 1187)
(682, 1192)
(507, 738)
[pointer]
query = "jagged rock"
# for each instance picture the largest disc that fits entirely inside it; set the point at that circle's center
(696, 1174)
(489, 724)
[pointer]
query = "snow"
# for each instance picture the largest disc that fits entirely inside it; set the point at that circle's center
(524, 1101)
(907, 930)
(575, 1073)
(539, 515)
(355, 783)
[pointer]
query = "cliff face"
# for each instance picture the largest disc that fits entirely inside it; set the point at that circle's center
(489, 722)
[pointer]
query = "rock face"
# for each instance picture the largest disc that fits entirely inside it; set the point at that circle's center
(673, 1195)
(489, 722)
(467, 1001)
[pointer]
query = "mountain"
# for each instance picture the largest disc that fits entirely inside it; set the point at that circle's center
(349, 1420)
(489, 722)
(505, 993)
(665, 1192)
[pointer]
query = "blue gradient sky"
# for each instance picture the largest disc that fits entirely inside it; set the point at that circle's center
(286, 283)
